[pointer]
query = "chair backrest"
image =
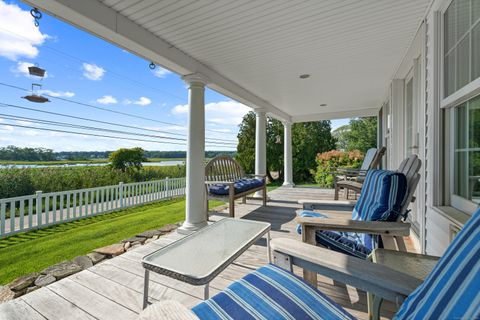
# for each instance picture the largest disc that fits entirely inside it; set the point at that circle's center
(368, 159)
(451, 290)
(410, 168)
(378, 156)
(223, 168)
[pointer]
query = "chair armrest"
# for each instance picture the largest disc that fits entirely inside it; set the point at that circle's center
(220, 182)
(362, 274)
(371, 227)
(342, 205)
(167, 310)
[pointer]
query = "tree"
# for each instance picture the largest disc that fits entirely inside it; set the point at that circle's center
(308, 139)
(126, 159)
(362, 134)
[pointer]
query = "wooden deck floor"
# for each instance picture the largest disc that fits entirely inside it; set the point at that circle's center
(113, 289)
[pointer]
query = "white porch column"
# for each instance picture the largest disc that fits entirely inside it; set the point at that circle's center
(260, 144)
(287, 154)
(195, 217)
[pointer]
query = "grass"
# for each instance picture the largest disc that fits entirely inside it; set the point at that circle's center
(274, 185)
(35, 250)
(92, 161)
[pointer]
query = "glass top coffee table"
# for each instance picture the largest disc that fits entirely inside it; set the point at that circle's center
(198, 258)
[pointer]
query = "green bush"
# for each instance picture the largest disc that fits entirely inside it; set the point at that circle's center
(327, 162)
(25, 181)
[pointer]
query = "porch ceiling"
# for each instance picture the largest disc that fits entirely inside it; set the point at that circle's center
(254, 51)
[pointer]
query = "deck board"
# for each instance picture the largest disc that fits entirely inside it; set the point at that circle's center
(115, 287)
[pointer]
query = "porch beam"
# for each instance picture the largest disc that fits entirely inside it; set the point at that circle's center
(336, 115)
(260, 144)
(195, 216)
(287, 155)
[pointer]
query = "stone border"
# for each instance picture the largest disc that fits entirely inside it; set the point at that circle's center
(34, 281)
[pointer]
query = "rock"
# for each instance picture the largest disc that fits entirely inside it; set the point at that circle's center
(127, 245)
(19, 293)
(115, 249)
(44, 279)
(95, 257)
(6, 294)
(62, 269)
(149, 240)
(137, 243)
(30, 289)
(155, 237)
(168, 228)
(135, 239)
(21, 283)
(150, 233)
(83, 261)
(134, 246)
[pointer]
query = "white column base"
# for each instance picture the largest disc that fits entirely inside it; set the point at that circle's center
(288, 185)
(188, 228)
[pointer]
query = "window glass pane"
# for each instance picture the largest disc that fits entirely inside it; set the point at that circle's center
(449, 31)
(463, 62)
(474, 123)
(449, 73)
(460, 127)
(461, 174)
(463, 17)
(476, 51)
(475, 11)
(474, 177)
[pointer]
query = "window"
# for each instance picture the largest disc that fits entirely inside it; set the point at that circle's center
(461, 67)
(461, 44)
(466, 172)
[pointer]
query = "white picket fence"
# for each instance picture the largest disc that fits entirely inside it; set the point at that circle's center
(45, 209)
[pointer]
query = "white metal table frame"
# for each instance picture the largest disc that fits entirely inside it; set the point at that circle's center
(183, 275)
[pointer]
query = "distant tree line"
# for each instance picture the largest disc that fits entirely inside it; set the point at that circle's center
(13, 153)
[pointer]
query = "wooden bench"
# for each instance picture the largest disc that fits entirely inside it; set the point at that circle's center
(225, 171)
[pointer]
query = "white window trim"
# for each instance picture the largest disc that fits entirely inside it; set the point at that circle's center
(455, 99)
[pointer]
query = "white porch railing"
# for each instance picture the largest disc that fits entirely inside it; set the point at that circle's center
(41, 210)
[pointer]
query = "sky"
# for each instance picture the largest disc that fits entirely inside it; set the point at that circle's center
(85, 69)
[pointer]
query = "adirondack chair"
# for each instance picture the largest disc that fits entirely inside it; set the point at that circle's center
(350, 179)
(225, 178)
(450, 291)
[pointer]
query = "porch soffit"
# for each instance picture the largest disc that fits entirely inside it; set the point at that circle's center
(254, 51)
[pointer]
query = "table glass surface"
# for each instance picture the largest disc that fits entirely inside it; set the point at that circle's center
(202, 252)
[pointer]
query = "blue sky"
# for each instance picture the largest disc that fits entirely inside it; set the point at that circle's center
(86, 69)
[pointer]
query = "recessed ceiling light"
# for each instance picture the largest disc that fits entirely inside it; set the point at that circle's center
(304, 76)
(323, 105)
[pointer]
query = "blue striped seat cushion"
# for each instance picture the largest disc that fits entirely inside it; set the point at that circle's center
(270, 293)
(240, 186)
(382, 196)
(452, 289)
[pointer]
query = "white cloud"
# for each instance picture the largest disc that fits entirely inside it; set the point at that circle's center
(21, 68)
(107, 100)
(92, 71)
(143, 101)
(18, 35)
(161, 72)
(222, 112)
(66, 94)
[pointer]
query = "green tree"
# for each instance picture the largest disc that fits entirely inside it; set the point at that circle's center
(308, 139)
(126, 159)
(362, 134)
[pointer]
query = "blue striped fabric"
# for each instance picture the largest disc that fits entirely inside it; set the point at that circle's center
(383, 194)
(452, 289)
(270, 293)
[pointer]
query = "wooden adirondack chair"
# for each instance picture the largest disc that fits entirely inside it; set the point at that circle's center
(350, 179)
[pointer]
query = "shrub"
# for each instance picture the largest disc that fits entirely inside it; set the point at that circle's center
(327, 162)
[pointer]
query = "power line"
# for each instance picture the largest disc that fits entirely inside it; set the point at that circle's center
(105, 109)
(86, 134)
(105, 122)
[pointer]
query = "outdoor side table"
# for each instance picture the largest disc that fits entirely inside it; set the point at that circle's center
(198, 258)
(413, 264)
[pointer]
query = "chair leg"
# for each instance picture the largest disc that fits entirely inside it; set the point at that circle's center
(337, 190)
(244, 200)
(264, 196)
(206, 207)
(308, 236)
(231, 207)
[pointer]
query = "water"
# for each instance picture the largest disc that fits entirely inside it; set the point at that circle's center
(146, 164)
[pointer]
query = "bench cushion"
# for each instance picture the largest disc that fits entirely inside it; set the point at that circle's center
(270, 293)
(240, 185)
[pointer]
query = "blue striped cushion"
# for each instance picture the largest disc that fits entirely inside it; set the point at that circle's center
(383, 194)
(452, 289)
(270, 293)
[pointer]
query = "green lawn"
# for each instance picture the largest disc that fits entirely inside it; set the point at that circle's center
(33, 251)
(274, 185)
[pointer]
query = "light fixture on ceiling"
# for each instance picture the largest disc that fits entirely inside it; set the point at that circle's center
(304, 76)
(323, 105)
